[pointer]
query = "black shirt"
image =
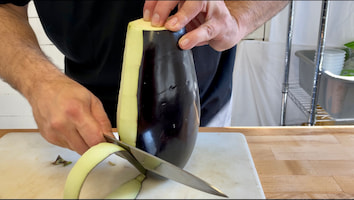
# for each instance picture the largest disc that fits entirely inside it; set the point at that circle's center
(91, 35)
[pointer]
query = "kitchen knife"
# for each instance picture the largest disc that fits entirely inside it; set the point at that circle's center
(145, 161)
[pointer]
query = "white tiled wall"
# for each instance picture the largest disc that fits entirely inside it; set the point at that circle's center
(15, 111)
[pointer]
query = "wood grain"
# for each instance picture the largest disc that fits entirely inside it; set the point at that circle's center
(300, 183)
(300, 162)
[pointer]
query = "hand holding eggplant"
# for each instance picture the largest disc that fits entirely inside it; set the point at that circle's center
(207, 22)
(221, 24)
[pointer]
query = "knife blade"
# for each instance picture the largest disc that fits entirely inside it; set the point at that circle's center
(163, 168)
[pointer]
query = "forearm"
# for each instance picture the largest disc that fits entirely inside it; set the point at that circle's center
(252, 14)
(22, 63)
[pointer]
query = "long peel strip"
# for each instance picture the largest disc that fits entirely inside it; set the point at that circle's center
(89, 160)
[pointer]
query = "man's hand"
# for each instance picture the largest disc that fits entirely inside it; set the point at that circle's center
(69, 115)
(207, 22)
(221, 24)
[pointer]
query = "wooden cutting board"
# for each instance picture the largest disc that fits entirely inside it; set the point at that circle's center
(221, 159)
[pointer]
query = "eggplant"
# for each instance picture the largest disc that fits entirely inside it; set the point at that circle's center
(158, 103)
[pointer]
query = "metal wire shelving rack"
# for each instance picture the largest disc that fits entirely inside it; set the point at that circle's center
(308, 104)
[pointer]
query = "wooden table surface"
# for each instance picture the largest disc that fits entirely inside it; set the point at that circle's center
(311, 162)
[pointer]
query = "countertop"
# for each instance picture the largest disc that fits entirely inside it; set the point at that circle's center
(307, 162)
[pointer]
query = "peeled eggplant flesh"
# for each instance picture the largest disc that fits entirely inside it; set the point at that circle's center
(158, 103)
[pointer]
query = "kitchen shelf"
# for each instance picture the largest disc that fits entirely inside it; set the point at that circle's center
(302, 100)
(308, 104)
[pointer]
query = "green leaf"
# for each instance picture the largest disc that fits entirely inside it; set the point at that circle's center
(350, 45)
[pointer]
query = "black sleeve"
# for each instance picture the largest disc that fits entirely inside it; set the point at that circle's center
(15, 2)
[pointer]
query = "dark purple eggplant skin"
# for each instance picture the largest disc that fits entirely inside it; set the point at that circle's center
(168, 98)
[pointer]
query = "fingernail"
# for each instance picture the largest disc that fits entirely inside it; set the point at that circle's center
(155, 21)
(184, 42)
(146, 15)
(172, 22)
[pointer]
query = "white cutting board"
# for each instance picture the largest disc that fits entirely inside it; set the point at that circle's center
(221, 159)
